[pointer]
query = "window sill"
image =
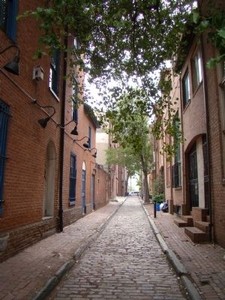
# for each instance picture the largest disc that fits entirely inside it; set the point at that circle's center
(178, 188)
(54, 94)
(186, 106)
(47, 218)
(197, 88)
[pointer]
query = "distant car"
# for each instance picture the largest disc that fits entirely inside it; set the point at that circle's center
(134, 193)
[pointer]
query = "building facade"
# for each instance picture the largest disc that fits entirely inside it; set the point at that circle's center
(48, 172)
(194, 177)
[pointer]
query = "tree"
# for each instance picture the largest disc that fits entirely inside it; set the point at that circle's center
(127, 40)
(131, 130)
(124, 157)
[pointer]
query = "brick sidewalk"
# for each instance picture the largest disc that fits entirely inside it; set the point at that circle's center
(204, 262)
(24, 275)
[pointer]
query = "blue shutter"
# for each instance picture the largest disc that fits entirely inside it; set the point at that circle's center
(3, 14)
(73, 179)
(8, 14)
(11, 22)
(4, 117)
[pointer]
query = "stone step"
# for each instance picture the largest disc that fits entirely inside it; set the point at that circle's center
(188, 219)
(196, 235)
(180, 223)
(204, 226)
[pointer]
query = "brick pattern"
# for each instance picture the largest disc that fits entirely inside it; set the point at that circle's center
(25, 171)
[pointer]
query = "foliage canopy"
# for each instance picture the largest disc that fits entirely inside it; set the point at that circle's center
(126, 41)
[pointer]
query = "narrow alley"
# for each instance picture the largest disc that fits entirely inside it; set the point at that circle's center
(125, 262)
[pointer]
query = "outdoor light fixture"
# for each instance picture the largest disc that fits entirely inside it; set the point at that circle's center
(94, 154)
(43, 122)
(85, 145)
(13, 65)
(74, 131)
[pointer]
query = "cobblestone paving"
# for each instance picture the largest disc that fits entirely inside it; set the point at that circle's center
(125, 262)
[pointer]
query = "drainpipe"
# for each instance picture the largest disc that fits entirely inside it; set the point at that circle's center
(211, 231)
(61, 158)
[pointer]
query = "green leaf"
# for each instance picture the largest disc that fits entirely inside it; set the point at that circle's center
(221, 33)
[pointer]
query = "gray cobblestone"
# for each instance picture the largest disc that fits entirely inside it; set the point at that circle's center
(125, 262)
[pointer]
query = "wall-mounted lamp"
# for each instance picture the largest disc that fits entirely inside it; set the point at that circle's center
(94, 153)
(13, 65)
(85, 145)
(74, 131)
(43, 122)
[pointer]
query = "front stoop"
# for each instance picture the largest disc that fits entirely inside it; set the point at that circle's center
(184, 221)
(188, 219)
(196, 235)
(204, 226)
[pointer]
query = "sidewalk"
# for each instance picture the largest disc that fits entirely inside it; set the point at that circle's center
(31, 273)
(204, 263)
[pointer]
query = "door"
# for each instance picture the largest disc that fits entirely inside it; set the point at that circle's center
(83, 191)
(93, 191)
(193, 178)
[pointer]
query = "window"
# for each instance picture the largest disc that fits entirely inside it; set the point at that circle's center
(222, 112)
(8, 14)
(177, 157)
(75, 101)
(89, 137)
(73, 179)
(54, 72)
(76, 43)
(186, 89)
(196, 71)
(4, 116)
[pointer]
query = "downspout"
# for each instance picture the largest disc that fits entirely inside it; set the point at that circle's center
(61, 158)
(211, 231)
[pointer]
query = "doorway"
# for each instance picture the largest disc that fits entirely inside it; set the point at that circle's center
(83, 189)
(193, 178)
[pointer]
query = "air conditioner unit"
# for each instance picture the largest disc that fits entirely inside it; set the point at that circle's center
(38, 73)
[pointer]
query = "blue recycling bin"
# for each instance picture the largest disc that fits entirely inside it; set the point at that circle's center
(158, 206)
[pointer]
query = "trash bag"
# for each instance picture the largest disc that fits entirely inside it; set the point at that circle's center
(165, 207)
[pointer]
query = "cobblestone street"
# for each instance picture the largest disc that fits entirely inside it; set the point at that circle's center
(125, 262)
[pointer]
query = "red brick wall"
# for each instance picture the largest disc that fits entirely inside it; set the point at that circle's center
(27, 142)
(24, 182)
(215, 146)
(215, 142)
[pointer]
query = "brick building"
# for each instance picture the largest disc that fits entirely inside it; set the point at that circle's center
(194, 179)
(48, 174)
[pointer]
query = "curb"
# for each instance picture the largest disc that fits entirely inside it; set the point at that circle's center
(175, 262)
(55, 279)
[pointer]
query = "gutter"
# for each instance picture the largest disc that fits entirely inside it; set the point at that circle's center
(211, 231)
(61, 151)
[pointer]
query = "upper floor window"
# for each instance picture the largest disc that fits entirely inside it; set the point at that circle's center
(89, 136)
(54, 72)
(177, 156)
(186, 88)
(75, 100)
(4, 117)
(76, 43)
(196, 70)
(8, 14)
